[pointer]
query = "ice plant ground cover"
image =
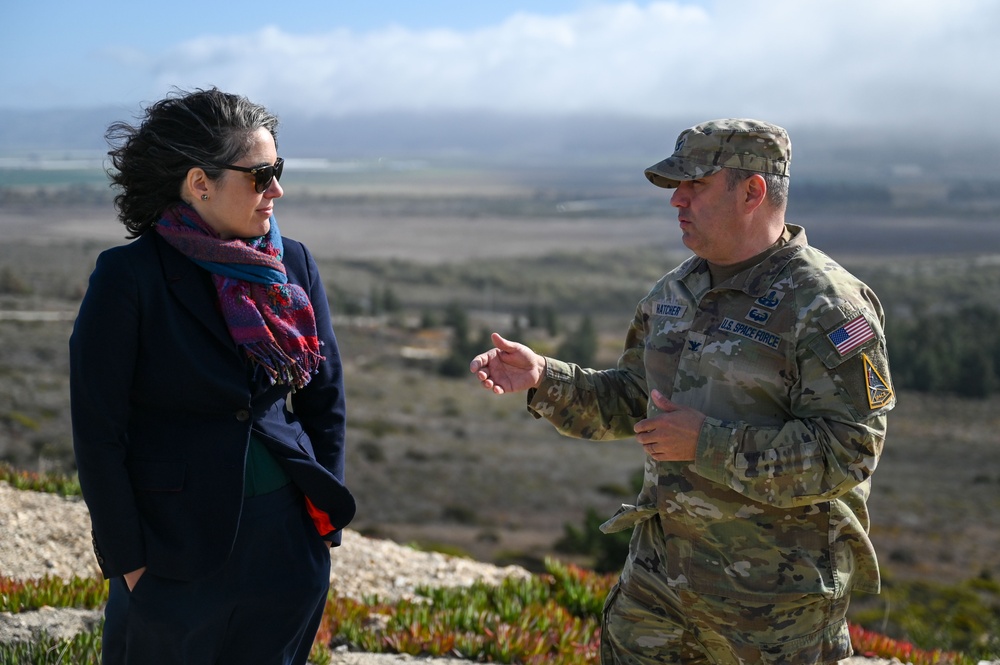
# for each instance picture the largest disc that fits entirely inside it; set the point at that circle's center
(550, 618)
(868, 643)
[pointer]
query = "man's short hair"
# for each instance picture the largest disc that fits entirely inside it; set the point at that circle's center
(777, 185)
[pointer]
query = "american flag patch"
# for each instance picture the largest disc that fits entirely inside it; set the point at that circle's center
(851, 335)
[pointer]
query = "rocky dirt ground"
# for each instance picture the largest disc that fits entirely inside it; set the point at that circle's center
(43, 534)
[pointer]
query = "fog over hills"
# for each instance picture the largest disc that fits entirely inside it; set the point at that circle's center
(891, 154)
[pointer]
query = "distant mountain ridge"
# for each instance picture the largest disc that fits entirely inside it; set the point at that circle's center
(546, 140)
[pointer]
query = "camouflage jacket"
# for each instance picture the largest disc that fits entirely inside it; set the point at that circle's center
(787, 360)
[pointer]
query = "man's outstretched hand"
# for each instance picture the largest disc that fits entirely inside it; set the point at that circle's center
(509, 367)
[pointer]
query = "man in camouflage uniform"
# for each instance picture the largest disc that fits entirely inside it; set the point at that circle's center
(754, 376)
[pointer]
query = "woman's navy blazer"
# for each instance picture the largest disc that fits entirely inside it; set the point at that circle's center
(163, 405)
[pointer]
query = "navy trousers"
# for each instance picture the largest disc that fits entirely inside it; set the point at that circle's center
(263, 607)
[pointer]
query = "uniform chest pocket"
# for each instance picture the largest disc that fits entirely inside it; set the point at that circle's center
(666, 342)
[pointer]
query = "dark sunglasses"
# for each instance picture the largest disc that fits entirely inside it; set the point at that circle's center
(262, 175)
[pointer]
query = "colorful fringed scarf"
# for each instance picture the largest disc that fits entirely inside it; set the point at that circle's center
(269, 318)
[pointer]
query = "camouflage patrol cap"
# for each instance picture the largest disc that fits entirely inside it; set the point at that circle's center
(735, 143)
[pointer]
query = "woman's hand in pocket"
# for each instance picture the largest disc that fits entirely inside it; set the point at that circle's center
(131, 579)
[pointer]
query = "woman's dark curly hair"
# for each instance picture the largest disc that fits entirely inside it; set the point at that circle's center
(182, 131)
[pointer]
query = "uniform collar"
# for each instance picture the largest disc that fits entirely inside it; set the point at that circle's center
(755, 280)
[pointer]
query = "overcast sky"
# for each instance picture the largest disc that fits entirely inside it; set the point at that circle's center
(927, 63)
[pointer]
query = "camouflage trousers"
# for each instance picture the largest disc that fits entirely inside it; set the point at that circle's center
(646, 621)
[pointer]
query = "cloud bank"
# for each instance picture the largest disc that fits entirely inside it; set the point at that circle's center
(897, 62)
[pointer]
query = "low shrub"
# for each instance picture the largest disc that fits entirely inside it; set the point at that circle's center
(53, 483)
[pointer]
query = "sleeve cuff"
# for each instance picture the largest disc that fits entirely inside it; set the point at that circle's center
(539, 401)
(557, 370)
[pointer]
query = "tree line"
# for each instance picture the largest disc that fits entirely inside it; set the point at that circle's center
(942, 320)
(958, 353)
(955, 353)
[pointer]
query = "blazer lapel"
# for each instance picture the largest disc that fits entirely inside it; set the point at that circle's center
(186, 280)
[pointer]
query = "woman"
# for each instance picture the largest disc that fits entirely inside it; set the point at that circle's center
(207, 399)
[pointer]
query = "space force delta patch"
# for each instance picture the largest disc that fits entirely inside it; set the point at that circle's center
(753, 333)
(879, 391)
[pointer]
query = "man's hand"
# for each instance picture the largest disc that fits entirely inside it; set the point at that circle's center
(671, 436)
(508, 368)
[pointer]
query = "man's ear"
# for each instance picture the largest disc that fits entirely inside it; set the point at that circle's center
(755, 192)
(196, 185)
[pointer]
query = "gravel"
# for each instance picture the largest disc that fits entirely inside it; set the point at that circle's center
(44, 534)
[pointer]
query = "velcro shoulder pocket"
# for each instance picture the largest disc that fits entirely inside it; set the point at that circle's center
(845, 335)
